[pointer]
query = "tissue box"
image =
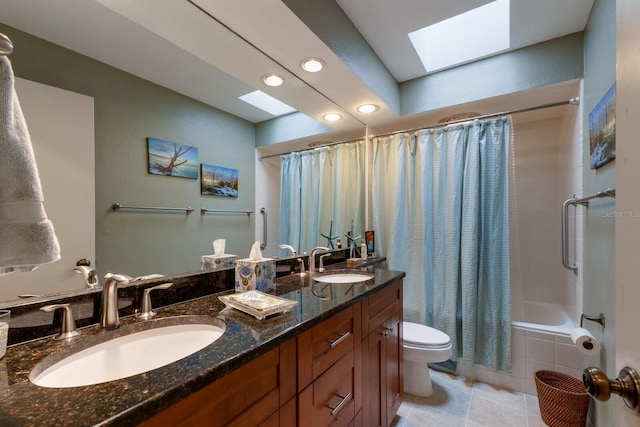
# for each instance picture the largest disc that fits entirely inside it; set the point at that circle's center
(258, 275)
(216, 262)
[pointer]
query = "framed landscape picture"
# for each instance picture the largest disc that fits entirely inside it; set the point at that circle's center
(218, 181)
(172, 159)
(602, 130)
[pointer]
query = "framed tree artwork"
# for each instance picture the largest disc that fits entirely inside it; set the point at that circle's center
(172, 159)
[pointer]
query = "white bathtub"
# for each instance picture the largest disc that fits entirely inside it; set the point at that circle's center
(545, 318)
(540, 339)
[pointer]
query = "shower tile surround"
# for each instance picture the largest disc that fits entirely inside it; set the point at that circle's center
(547, 172)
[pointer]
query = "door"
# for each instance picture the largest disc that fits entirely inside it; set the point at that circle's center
(627, 225)
(61, 126)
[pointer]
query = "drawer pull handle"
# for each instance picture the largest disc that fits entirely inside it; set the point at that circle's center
(339, 340)
(336, 409)
(386, 331)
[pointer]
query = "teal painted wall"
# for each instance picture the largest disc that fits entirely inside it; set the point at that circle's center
(542, 64)
(127, 111)
(599, 231)
(286, 128)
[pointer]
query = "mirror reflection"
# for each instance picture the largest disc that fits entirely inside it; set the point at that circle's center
(89, 125)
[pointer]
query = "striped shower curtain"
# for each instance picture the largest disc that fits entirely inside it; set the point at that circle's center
(440, 203)
(322, 192)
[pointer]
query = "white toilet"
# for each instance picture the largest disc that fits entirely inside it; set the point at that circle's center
(422, 345)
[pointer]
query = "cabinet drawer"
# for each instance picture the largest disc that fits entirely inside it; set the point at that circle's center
(380, 306)
(329, 400)
(247, 396)
(324, 344)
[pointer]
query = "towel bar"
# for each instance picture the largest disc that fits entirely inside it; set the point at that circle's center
(609, 192)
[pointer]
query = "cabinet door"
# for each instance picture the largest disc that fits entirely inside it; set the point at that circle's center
(393, 358)
(382, 378)
(329, 400)
(373, 378)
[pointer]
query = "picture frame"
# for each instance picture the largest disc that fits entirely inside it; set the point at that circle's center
(172, 159)
(602, 130)
(218, 181)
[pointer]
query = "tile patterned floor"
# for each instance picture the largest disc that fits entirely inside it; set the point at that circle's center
(456, 403)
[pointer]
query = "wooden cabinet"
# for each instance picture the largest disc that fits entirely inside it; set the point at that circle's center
(258, 394)
(345, 371)
(329, 371)
(382, 356)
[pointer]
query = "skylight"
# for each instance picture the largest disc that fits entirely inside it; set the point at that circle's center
(267, 103)
(471, 35)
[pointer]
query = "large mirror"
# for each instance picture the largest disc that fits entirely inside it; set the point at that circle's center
(90, 123)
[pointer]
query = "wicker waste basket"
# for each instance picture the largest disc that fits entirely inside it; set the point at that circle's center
(563, 399)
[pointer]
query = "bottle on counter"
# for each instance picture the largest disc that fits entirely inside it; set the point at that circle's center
(363, 251)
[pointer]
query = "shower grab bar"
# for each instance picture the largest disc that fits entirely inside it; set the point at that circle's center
(609, 192)
(118, 206)
(263, 245)
(205, 210)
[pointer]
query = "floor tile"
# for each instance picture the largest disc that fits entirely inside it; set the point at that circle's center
(458, 403)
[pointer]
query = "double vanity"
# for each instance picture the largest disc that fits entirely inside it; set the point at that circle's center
(334, 359)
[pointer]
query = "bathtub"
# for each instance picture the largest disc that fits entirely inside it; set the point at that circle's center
(540, 339)
(544, 318)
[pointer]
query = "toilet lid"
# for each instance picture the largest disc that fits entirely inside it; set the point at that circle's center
(424, 336)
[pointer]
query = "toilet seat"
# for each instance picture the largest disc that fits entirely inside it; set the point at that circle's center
(421, 336)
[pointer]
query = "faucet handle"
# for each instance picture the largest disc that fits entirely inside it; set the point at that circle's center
(321, 267)
(146, 311)
(68, 327)
(301, 262)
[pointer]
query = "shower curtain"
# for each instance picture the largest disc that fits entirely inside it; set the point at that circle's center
(440, 203)
(322, 192)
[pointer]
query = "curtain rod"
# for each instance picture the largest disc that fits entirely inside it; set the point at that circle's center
(571, 101)
(312, 146)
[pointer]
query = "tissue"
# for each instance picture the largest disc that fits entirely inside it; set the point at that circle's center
(218, 247)
(585, 342)
(256, 253)
(255, 272)
(219, 259)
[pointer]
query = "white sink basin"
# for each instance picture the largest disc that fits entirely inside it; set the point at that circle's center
(127, 355)
(343, 277)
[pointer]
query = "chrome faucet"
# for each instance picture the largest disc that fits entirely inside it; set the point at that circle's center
(89, 275)
(109, 318)
(291, 248)
(312, 257)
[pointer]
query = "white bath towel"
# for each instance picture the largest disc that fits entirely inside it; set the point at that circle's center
(27, 237)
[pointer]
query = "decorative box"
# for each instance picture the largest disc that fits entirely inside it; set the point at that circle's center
(258, 275)
(216, 262)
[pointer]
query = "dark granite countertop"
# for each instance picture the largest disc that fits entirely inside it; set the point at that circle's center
(131, 400)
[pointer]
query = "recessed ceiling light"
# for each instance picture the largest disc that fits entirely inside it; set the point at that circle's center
(267, 103)
(272, 80)
(477, 33)
(312, 65)
(367, 108)
(332, 117)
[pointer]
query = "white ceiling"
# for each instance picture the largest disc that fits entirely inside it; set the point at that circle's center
(217, 50)
(386, 24)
